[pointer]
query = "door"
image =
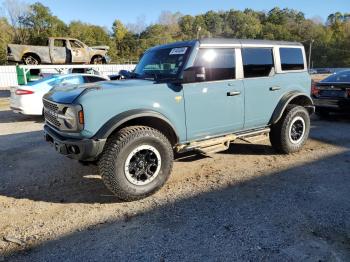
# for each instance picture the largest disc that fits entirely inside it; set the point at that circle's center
(214, 106)
(262, 88)
(59, 52)
(79, 52)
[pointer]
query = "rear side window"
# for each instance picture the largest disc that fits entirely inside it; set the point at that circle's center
(219, 63)
(257, 62)
(291, 59)
(59, 43)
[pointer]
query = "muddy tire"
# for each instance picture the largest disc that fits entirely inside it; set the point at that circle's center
(136, 162)
(290, 133)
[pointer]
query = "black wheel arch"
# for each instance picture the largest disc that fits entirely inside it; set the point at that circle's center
(293, 97)
(144, 117)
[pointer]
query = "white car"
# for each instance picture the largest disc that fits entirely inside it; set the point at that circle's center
(27, 99)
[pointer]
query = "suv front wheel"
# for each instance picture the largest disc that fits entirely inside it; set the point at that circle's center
(136, 162)
(290, 133)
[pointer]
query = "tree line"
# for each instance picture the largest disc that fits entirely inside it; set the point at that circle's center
(33, 24)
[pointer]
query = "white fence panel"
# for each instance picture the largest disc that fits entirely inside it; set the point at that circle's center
(8, 77)
(8, 74)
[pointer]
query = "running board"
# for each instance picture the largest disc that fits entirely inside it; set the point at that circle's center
(209, 146)
(217, 144)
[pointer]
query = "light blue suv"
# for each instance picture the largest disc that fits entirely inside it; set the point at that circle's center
(198, 95)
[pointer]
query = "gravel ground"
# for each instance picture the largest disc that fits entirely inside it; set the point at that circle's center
(246, 204)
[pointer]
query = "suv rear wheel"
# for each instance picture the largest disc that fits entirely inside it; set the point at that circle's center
(136, 162)
(290, 133)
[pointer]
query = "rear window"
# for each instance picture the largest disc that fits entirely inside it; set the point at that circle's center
(93, 79)
(342, 77)
(292, 59)
(257, 62)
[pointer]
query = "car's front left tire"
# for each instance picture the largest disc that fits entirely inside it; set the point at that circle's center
(136, 162)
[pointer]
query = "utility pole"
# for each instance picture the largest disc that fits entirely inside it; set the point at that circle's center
(310, 50)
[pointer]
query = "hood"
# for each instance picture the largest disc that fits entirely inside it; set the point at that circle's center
(68, 94)
(100, 47)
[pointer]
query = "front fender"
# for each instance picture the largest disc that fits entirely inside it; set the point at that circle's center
(291, 97)
(109, 127)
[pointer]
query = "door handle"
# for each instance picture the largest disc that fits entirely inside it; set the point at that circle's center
(275, 88)
(233, 93)
(231, 84)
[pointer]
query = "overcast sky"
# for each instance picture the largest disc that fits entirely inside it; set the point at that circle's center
(104, 12)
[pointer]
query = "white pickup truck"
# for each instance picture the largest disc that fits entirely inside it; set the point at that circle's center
(59, 50)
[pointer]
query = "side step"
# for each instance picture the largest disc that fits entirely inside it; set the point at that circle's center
(210, 146)
(217, 144)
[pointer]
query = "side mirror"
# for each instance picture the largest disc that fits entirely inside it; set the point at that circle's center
(194, 74)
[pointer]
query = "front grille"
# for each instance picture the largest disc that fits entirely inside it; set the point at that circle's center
(51, 106)
(52, 119)
(51, 111)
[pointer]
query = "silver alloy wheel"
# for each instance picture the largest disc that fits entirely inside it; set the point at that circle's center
(297, 130)
(142, 165)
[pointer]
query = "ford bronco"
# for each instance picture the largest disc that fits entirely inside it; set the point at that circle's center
(197, 95)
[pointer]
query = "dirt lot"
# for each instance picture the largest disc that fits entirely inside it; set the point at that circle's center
(244, 204)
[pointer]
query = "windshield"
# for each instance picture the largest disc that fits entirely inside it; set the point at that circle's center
(342, 77)
(161, 64)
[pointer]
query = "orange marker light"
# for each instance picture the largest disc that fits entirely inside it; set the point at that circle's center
(81, 117)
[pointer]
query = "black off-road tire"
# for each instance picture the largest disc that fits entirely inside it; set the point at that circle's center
(280, 132)
(115, 154)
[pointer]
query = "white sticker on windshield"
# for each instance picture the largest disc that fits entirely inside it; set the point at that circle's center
(178, 51)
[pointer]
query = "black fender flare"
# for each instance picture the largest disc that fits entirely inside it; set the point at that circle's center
(111, 125)
(286, 99)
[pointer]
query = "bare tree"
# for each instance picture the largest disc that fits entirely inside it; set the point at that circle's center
(14, 11)
(139, 26)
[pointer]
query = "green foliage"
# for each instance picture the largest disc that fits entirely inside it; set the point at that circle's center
(330, 46)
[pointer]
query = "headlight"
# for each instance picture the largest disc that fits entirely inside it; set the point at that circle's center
(70, 118)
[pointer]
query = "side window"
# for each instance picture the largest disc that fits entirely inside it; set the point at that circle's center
(257, 62)
(59, 43)
(219, 63)
(93, 79)
(75, 44)
(73, 80)
(291, 59)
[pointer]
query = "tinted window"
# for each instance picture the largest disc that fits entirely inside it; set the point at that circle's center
(291, 59)
(257, 62)
(219, 63)
(93, 79)
(343, 77)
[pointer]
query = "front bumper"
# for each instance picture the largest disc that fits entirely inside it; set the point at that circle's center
(335, 104)
(80, 149)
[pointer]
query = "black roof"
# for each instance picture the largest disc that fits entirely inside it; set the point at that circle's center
(226, 41)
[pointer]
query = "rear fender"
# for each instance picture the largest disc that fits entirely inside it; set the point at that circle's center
(293, 97)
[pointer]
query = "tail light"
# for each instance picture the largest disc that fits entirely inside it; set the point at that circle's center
(314, 89)
(20, 92)
(348, 91)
